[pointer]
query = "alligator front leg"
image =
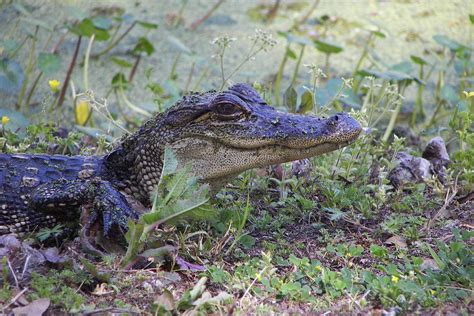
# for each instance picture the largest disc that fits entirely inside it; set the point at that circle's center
(98, 195)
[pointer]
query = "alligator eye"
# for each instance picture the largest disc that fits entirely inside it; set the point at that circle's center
(227, 109)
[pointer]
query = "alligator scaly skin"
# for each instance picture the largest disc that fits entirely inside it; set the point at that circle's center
(22, 174)
(220, 133)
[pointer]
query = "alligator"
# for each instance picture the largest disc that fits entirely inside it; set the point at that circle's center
(220, 133)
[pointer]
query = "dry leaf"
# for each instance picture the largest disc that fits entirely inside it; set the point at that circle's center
(35, 308)
(398, 241)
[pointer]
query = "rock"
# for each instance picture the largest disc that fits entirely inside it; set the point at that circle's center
(410, 169)
(437, 154)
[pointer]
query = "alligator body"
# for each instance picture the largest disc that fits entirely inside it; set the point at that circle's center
(220, 133)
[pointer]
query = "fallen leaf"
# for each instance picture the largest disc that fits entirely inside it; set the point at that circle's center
(35, 308)
(101, 290)
(165, 300)
(398, 241)
(429, 263)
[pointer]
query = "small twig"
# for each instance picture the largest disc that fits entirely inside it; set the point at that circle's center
(86, 62)
(13, 273)
(311, 10)
(358, 224)
(115, 43)
(190, 76)
(447, 201)
(198, 22)
(14, 299)
(134, 68)
(25, 266)
(69, 72)
(251, 284)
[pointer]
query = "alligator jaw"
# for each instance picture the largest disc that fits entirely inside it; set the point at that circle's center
(213, 160)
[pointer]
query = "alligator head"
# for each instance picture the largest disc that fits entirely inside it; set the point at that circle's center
(225, 133)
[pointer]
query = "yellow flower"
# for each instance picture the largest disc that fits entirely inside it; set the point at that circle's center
(318, 268)
(258, 276)
(54, 85)
(469, 94)
(5, 120)
(83, 112)
(395, 279)
(433, 292)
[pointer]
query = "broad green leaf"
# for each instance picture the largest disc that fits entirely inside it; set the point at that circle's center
(119, 81)
(18, 122)
(143, 46)
(290, 97)
(471, 18)
(405, 67)
(379, 34)
(390, 75)
(21, 8)
(121, 62)
(447, 42)
(8, 46)
(247, 241)
(11, 76)
(327, 47)
(147, 25)
(92, 269)
(133, 235)
(170, 164)
(448, 93)
(93, 132)
(418, 60)
(87, 28)
(307, 102)
(49, 63)
(38, 22)
(436, 258)
(290, 53)
(299, 40)
(102, 22)
(178, 45)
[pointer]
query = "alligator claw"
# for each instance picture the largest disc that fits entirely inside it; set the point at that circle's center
(58, 196)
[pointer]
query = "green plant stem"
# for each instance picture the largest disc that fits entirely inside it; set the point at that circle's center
(364, 54)
(334, 98)
(33, 88)
(116, 42)
(172, 75)
(439, 101)
(249, 56)
(13, 54)
(190, 77)
(279, 75)
(198, 22)
(307, 15)
(72, 64)
(393, 117)
(132, 106)
(418, 108)
(297, 67)
(201, 77)
(29, 70)
(134, 68)
(242, 222)
(86, 62)
(177, 22)
(326, 67)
